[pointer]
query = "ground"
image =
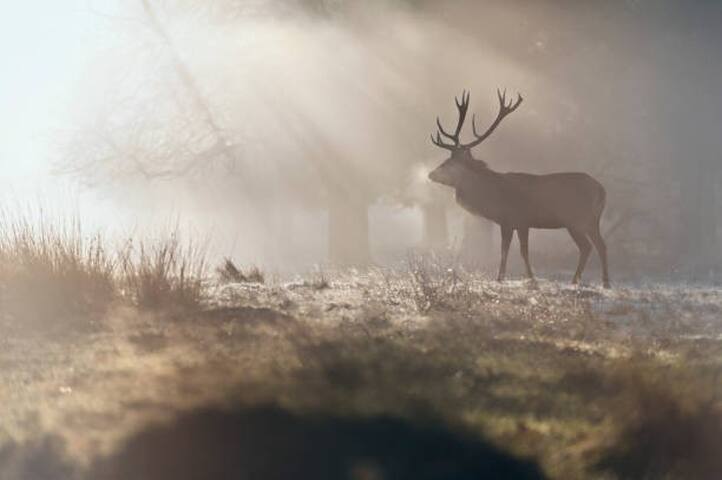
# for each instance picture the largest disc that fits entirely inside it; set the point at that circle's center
(548, 379)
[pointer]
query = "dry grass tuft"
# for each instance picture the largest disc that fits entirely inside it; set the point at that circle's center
(230, 273)
(436, 283)
(164, 275)
(319, 280)
(50, 273)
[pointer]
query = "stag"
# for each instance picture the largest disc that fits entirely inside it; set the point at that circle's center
(521, 201)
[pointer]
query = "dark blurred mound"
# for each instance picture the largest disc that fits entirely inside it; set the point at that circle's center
(268, 442)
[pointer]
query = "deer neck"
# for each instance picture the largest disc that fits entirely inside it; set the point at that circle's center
(481, 193)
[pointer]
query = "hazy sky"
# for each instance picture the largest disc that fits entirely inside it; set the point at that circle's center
(54, 54)
(47, 50)
(45, 47)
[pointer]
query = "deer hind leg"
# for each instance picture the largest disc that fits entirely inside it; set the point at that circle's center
(523, 234)
(585, 247)
(506, 235)
(601, 247)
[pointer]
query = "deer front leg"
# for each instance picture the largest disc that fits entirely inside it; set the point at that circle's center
(523, 234)
(506, 235)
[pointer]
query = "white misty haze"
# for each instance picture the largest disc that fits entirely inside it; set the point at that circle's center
(59, 61)
(303, 93)
(46, 46)
(50, 53)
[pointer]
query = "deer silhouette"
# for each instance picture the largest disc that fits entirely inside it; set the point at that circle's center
(521, 201)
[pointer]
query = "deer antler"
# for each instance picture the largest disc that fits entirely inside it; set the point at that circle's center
(504, 110)
(462, 106)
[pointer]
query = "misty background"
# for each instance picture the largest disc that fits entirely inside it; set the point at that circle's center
(296, 132)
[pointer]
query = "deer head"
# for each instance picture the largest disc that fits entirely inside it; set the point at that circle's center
(456, 167)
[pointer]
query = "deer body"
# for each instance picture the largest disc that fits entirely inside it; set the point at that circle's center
(521, 201)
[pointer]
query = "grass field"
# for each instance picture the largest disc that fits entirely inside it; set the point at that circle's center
(422, 371)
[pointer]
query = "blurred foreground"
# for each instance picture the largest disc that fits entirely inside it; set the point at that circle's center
(144, 364)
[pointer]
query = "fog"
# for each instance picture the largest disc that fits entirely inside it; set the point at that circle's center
(274, 128)
(218, 225)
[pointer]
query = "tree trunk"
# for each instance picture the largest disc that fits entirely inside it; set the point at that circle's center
(718, 214)
(436, 229)
(477, 242)
(698, 242)
(348, 233)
